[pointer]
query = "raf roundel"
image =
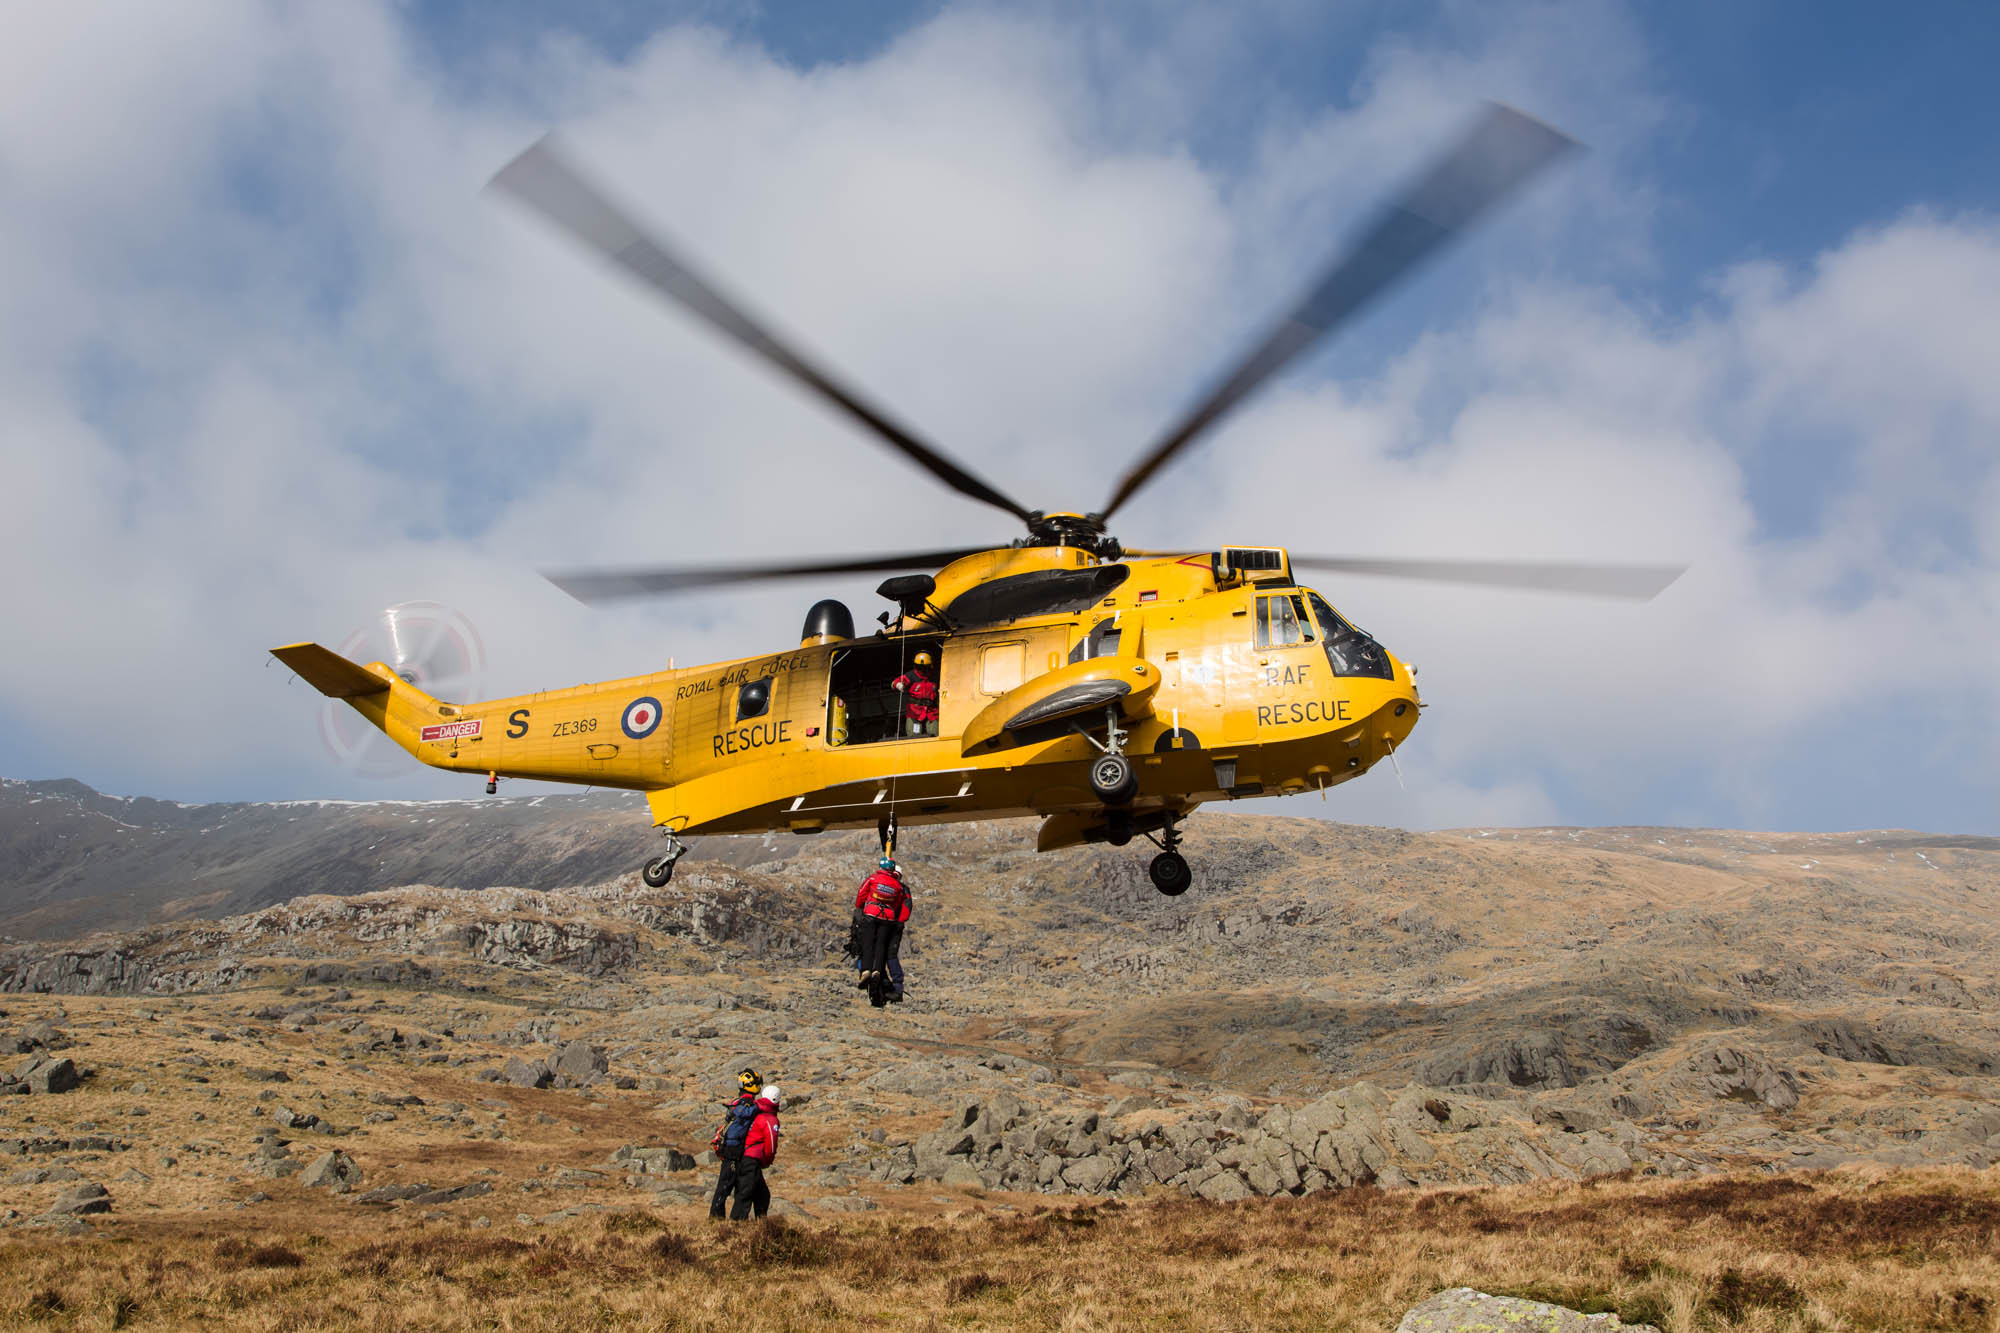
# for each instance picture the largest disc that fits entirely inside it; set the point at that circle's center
(641, 716)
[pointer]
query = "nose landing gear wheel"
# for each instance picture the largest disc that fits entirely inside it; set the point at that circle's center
(1113, 778)
(1170, 873)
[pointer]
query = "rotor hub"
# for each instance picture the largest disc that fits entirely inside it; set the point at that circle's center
(1085, 532)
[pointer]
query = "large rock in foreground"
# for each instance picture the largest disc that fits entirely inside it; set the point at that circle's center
(1463, 1310)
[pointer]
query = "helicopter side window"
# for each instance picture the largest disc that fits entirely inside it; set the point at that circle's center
(1278, 623)
(754, 699)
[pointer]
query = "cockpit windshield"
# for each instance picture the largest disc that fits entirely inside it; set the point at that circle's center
(1349, 651)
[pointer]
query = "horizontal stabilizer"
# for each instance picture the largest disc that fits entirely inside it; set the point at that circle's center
(329, 672)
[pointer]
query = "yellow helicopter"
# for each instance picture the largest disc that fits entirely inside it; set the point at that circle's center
(1106, 690)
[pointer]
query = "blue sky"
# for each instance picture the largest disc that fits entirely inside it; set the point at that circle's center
(271, 362)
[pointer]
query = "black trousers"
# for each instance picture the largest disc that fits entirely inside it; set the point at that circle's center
(752, 1194)
(725, 1185)
(881, 940)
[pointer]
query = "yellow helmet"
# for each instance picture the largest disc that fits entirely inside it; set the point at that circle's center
(923, 659)
(749, 1081)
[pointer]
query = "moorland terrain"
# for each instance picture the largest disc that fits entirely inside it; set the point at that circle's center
(1703, 1078)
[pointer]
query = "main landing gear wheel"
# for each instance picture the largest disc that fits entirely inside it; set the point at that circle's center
(660, 869)
(1113, 778)
(1170, 873)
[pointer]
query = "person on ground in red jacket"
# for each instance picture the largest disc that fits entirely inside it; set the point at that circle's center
(882, 906)
(760, 1149)
(920, 697)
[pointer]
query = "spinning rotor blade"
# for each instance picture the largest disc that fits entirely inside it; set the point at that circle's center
(1638, 582)
(540, 179)
(594, 586)
(1498, 154)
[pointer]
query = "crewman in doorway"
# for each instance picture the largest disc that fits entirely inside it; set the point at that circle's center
(919, 689)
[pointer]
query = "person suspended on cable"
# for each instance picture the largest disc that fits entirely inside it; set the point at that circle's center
(919, 689)
(882, 905)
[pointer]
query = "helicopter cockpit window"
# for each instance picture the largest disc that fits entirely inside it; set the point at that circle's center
(754, 699)
(1102, 641)
(1305, 621)
(1349, 651)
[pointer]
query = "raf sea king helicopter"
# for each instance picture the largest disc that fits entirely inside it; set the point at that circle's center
(1107, 690)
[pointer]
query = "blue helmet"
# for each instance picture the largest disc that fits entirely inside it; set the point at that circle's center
(890, 866)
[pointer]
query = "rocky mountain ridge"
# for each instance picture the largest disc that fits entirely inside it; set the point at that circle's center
(73, 860)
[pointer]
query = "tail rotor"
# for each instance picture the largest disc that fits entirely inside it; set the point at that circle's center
(429, 645)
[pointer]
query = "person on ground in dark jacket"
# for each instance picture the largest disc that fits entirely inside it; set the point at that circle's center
(730, 1136)
(883, 905)
(760, 1149)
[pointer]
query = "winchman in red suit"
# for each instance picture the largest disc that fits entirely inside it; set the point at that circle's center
(920, 697)
(882, 906)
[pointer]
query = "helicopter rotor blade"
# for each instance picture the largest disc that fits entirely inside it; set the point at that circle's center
(542, 181)
(1499, 153)
(593, 587)
(1637, 582)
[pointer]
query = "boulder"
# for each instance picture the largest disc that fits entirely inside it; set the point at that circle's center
(652, 1161)
(525, 1074)
(1463, 1310)
(83, 1199)
(961, 1173)
(452, 1195)
(44, 1074)
(334, 1170)
(393, 1193)
(1088, 1174)
(43, 1035)
(1571, 1118)
(580, 1064)
(1223, 1187)
(290, 1119)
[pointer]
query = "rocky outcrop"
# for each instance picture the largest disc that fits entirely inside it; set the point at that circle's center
(1725, 1071)
(1358, 1135)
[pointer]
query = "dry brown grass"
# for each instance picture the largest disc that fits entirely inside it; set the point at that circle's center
(1843, 1251)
